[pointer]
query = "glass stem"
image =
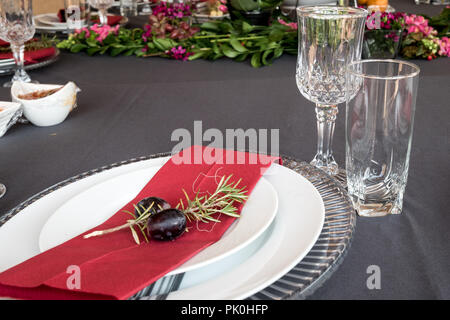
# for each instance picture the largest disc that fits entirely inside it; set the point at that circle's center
(18, 54)
(326, 117)
(103, 17)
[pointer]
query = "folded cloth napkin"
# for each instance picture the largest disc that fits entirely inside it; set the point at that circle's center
(30, 57)
(113, 266)
(112, 20)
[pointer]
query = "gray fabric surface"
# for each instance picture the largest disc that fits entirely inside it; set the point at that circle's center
(129, 107)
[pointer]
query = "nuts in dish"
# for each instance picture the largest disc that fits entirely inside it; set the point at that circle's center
(38, 94)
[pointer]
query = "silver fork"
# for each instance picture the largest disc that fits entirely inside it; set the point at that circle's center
(160, 289)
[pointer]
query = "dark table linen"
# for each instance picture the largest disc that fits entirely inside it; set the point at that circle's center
(130, 106)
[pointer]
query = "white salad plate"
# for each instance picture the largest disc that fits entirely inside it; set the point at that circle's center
(293, 233)
(289, 238)
(49, 22)
(49, 19)
(97, 204)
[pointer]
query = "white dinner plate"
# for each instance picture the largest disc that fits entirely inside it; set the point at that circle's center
(292, 234)
(97, 204)
(49, 19)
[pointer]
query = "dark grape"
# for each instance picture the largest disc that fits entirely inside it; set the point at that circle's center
(166, 225)
(158, 205)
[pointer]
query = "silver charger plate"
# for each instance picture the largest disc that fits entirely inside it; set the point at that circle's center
(317, 266)
(10, 69)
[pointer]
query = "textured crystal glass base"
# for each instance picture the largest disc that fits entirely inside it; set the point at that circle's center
(20, 76)
(328, 164)
(2, 190)
(375, 209)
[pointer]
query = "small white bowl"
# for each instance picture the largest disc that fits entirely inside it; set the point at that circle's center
(10, 112)
(50, 110)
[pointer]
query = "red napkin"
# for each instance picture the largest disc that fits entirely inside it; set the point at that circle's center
(113, 266)
(29, 56)
(112, 20)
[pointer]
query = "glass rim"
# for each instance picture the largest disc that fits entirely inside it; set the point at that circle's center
(335, 12)
(411, 74)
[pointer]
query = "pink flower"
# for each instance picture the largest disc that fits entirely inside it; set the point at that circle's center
(444, 47)
(419, 24)
(291, 25)
(101, 31)
(86, 30)
(223, 8)
(179, 53)
(147, 32)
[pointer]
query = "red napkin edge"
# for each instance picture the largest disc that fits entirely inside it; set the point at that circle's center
(48, 292)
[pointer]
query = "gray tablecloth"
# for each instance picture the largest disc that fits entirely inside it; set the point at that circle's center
(129, 107)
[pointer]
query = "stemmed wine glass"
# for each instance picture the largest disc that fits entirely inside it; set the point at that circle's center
(146, 9)
(102, 6)
(330, 37)
(17, 27)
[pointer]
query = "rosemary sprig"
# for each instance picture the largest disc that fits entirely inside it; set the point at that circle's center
(34, 44)
(200, 208)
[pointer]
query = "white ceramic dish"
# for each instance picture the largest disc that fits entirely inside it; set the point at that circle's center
(49, 19)
(295, 230)
(291, 235)
(10, 112)
(97, 204)
(42, 22)
(50, 110)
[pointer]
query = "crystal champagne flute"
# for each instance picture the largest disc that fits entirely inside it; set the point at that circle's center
(102, 6)
(16, 27)
(330, 37)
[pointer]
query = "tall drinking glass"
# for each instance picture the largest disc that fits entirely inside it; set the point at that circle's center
(329, 39)
(16, 27)
(102, 6)
(128, 8)
(381, 101)
(77, 14)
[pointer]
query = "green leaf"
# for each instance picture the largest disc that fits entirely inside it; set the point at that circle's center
(78, 47)
(117, 51)
(237, 45)
(245, 5)
(229, 52)
(197, 55)
(256, 60)
(276, 35)
(92, 51)
(91, 43)
(104, 49)
(241, 57)
(277, 52)
(246, 27)
(135, 236)
(164, 44)
(216, 49)
(210, 26)
(265, 56)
